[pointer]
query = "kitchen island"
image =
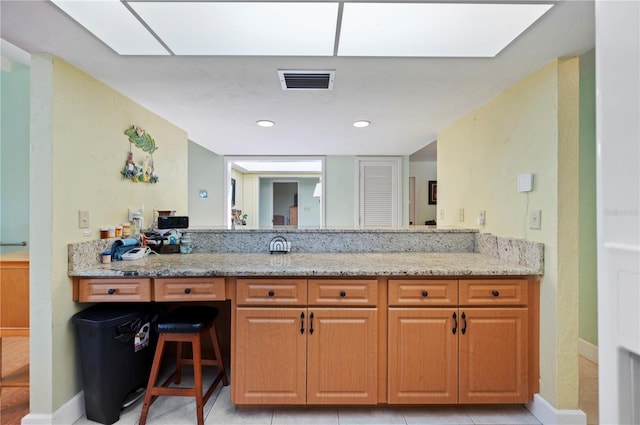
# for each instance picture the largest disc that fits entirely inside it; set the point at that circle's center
(347, 328)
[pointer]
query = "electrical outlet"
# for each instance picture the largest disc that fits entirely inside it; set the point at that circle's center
(83, 219)
(442, 214)
(461, 214)
(535, 217)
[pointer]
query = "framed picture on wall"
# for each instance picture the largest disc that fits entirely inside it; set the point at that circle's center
(433, 192)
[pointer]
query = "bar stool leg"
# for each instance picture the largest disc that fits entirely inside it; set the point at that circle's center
(179, 361)
(216, 349)
(197, 379)
(153, 377)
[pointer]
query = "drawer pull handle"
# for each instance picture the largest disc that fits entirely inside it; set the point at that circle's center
(464, 326)
(455, 323)
(343, 294)
(426, 294)
(302, 323)
(187, 290)
(271, 293)
(495, 293)
(111, 291)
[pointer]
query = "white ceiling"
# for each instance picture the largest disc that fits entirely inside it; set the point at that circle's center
(218, 99)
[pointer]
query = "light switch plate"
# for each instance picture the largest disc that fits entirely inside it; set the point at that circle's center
(461, 214)
(83, 219)
(535, 217)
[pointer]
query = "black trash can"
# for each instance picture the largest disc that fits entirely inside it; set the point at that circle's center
(117, 344)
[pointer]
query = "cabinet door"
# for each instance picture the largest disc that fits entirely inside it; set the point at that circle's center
(493, 355)
(343, 356)
(271, 356)
(423, 355)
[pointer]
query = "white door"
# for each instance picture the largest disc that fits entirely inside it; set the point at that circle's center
(379, 192)
(618, 199)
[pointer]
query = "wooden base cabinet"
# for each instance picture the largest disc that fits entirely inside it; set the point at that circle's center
(468, 354)
(270, 356)
(307, 354)
(493, 355)
(423, 356)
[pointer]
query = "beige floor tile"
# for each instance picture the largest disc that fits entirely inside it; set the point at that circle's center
(454, 415)
(501, 415)
(306, 416)
(370, 416)
(225, 412)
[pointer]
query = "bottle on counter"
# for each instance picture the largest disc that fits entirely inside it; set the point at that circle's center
(185, 243)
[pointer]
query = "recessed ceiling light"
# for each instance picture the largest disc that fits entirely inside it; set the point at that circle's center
(265, 123)
(361, 123)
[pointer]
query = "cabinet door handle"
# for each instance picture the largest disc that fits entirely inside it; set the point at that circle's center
(111, 291)
(187, 290)
(495, 293)
(464, 324)
(426, 294)
(302, 323)
(311, 323)
(343, 294)
(271, 293)
(455, 323)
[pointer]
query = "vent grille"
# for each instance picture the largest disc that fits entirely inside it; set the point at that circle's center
(306, 80)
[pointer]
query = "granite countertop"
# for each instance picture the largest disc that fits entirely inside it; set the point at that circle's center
(309, 264)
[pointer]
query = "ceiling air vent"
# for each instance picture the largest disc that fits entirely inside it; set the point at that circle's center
(306, 80)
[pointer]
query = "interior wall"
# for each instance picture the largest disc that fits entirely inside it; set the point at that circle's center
(423, 171)
(588, 238)
(340, 191)
(205, 172)
(78, 148)
(529, 128)
(14, 155)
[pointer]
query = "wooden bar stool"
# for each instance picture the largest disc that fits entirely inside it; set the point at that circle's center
(185, 324)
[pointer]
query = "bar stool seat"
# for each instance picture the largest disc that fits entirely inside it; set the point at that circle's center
(185, 324)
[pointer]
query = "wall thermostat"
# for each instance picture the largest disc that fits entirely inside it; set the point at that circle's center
(525, 182)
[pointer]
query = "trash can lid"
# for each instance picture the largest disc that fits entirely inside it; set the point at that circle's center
(109, 314)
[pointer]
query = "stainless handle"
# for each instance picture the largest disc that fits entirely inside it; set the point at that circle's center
(23, 243)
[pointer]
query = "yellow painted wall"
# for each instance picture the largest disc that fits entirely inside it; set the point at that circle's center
(530, 128)
(79, 148)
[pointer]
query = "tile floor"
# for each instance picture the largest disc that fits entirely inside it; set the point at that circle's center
(220, 410)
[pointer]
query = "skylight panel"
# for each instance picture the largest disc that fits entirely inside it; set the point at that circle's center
(433, 29)
(114, 25)
(243, 28)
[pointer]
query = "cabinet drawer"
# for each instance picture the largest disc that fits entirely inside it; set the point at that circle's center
(343, 292)
(483, 292)
(423, 292)
(271, 291)
(114, 290)
(189, 289)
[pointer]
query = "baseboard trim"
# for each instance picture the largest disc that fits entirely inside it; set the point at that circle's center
(67, 414)
(549, 415)
(588, 350)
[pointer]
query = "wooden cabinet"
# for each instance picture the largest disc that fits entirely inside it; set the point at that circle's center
(423, 356)
(189, 289)
(14, 295)
(493, 355)
(270, 361)
(474, 352)
(290, 351)
(114, 290)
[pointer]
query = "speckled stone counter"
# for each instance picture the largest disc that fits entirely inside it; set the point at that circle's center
(414, 251)
(310, 264)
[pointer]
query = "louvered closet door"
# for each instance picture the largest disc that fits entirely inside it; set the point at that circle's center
(379, 192)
